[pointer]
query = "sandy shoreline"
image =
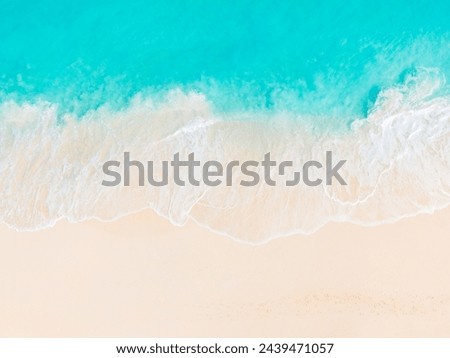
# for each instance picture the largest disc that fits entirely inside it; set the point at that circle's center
(141, 276)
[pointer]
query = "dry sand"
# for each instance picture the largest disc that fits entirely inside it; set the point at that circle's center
(140, 276)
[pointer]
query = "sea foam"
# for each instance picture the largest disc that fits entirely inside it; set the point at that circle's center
(397, 162)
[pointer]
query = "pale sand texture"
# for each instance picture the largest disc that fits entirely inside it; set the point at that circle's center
(141, 276)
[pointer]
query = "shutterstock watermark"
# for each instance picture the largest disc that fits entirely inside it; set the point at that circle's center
(189, 171)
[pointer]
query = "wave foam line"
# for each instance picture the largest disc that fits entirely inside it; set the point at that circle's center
(397, 164)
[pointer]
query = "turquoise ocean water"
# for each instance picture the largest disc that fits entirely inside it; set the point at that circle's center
(335, 56)
(81, 82)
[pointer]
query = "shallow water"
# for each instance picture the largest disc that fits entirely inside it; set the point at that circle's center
(82, 83)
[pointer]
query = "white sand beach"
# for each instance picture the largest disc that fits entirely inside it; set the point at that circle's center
(141, 276)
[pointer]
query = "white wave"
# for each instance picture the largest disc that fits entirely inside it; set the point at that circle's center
(397, 163)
